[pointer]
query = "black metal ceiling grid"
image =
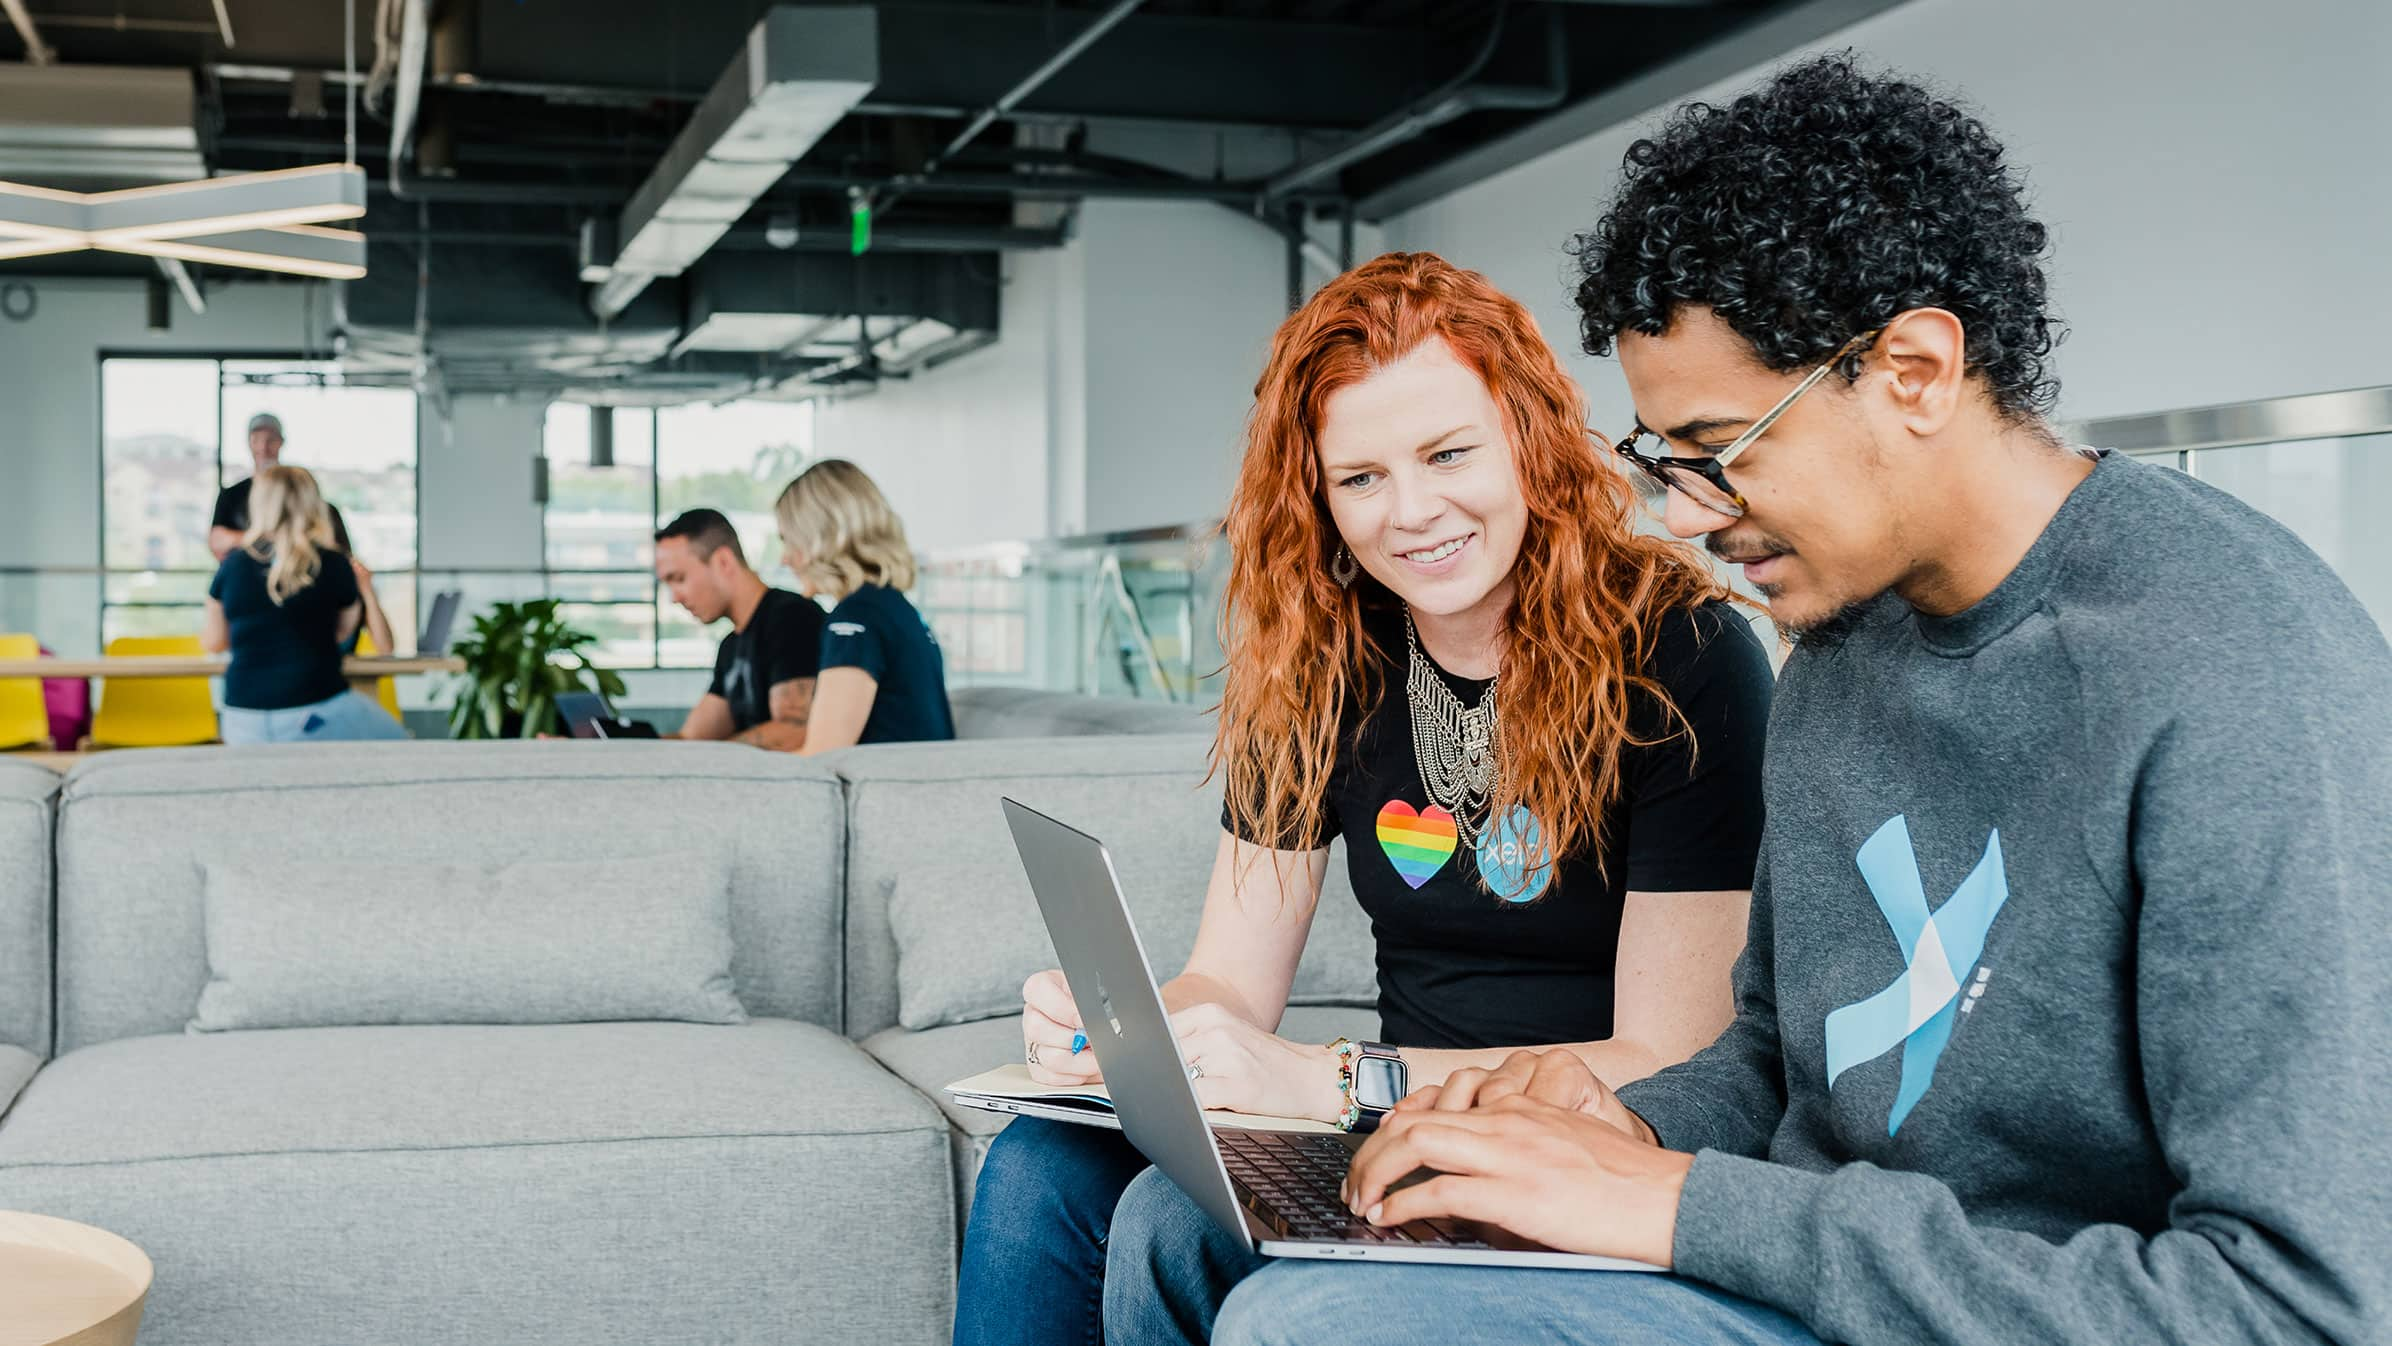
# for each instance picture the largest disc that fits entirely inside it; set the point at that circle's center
(567, 106)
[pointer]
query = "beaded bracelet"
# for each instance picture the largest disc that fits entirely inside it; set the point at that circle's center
(1346, 1050)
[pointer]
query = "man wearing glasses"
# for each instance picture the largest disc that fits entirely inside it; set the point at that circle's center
(2063, 1015)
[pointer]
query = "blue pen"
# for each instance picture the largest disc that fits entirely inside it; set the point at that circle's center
(1079, 1043)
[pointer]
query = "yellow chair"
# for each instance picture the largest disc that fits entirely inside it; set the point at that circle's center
(24, 715)
(386, 690)
(154, 712)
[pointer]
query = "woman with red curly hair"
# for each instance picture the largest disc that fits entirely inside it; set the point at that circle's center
(1538, 729)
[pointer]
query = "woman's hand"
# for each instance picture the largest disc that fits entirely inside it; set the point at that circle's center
(1244, 1069)
(1050, 1023)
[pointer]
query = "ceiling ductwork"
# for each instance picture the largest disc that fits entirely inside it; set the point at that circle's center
(799, 72)
(840, 319)
(740, 323)
(89, 127)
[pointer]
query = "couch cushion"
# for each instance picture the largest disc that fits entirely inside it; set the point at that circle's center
(27, 796)
(447, 1186)
(16, 1069)
(535, 942)
(932, 1060)
(917, 806)
(1026, 712)
(131, 953)
(969, 935)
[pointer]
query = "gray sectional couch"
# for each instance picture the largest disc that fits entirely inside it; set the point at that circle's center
(795, 1176)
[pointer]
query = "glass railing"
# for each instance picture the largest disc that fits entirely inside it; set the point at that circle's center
(1122, 614)
(2321, 465)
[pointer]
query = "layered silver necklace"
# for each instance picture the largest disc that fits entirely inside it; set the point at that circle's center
(1453, 745)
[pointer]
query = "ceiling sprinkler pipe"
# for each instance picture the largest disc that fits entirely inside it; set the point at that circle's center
(22, 21)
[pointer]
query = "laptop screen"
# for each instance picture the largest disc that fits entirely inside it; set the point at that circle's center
(581, 712)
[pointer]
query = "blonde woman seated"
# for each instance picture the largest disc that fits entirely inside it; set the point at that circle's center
(882, 679)
(283, 602)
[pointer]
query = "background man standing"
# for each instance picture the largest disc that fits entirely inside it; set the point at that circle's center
(231, 518)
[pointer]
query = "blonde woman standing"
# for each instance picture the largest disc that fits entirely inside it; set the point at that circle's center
(283, 602)
(883, 679)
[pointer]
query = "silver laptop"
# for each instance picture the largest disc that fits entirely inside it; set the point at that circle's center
(1276, 1191)
(435, 639)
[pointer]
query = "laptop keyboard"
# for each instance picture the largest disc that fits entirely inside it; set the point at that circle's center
(1290, 1182)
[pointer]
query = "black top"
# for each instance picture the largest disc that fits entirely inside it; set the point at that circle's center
(232, 511)
(781, 644)
(1528, 958)
(876, 630)
(286, 654)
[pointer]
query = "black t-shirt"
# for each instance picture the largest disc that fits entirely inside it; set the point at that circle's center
(876, 630)
(232, 511)
(781, 644)
(285, 654)
(1463, 966)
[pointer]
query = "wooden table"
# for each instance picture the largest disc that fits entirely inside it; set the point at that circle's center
(362, 672)
(69, 1284)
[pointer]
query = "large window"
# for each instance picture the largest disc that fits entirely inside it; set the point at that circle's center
(601, 521)
(174, 431)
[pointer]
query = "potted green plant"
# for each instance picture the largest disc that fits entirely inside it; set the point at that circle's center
(518, 657)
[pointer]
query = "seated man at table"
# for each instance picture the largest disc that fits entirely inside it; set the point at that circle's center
(763, 687)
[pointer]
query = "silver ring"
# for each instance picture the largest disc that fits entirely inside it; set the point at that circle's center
(1033, 1053)
(1195, 1072)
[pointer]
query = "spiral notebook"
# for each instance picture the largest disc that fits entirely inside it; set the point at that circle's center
(1009, 1088)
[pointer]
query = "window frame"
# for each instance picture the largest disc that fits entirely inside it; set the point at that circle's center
(219, 358)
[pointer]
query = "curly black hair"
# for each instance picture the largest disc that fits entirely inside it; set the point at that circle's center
(1820, 205)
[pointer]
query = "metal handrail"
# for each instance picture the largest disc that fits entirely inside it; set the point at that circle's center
(2275, 420)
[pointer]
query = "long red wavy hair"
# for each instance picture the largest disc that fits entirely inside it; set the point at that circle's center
(1588, 585)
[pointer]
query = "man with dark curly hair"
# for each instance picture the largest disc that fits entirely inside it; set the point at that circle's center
(2063, 1013)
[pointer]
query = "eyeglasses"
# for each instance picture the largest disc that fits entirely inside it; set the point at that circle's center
(1705, 480)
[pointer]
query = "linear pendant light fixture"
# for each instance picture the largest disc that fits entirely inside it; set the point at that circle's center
(265, 221)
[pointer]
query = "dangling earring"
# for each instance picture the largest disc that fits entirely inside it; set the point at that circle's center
(1343, 568)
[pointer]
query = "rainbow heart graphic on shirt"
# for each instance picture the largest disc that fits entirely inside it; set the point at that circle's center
(1417, 843)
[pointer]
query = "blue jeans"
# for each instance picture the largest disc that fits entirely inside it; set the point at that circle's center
(1034, 1251)
(349, 716)
(1174, 1276)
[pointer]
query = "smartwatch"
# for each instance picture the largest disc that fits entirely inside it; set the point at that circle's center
(1380, 1082)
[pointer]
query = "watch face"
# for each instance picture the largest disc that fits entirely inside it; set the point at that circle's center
(1378, 1082)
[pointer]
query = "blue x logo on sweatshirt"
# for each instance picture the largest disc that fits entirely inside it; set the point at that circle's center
(1938, 953)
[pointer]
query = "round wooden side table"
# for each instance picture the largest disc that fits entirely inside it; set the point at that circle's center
(68, 1284)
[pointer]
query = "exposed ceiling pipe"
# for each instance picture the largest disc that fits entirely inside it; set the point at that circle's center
(35, 52)
(414, 31)
(1006, 101)
(1456, 98)
(640, 96)
(181, 276)
(900, 238)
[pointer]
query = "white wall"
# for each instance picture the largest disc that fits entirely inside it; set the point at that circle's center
(1116, 397)
(2211, 171)
(962, 450)
(1182, 300)
(474, 483)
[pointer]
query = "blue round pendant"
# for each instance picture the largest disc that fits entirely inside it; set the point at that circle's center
(1512, 859)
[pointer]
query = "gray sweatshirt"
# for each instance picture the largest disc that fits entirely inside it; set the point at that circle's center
(2064, 1016)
